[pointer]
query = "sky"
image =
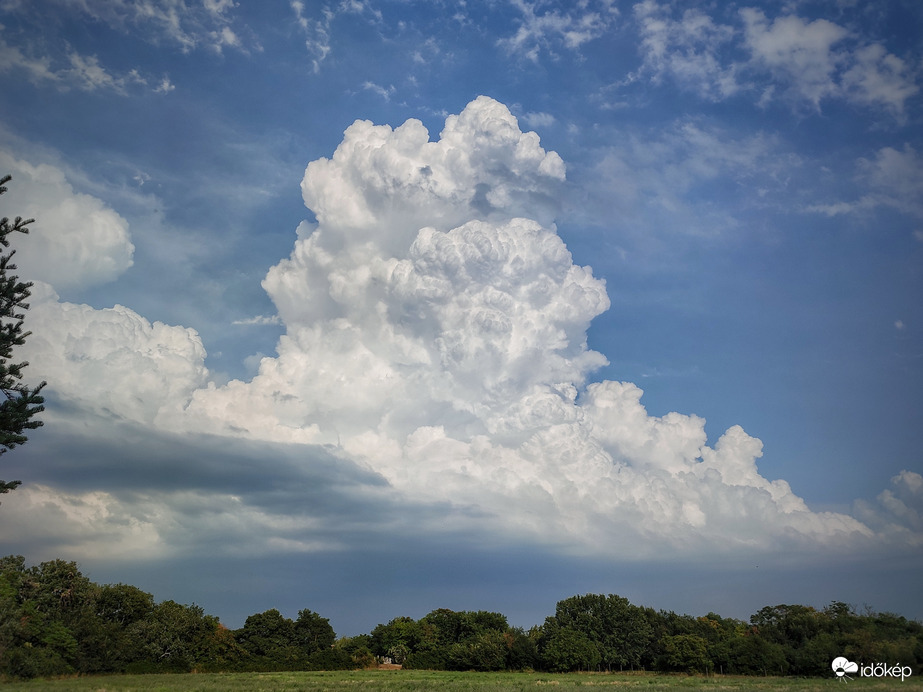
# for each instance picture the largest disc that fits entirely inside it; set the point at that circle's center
(374, 307)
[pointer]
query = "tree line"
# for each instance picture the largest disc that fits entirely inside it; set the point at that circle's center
(56, 621)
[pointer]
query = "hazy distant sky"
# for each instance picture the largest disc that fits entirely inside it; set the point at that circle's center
(374, 307)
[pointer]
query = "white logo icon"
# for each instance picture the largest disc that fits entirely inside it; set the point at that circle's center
(841, 666)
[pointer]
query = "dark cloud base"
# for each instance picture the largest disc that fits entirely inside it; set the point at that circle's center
(380, 563)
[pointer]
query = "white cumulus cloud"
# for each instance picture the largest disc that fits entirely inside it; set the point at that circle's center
(435, 337)
(540, 31)
(686, 49)
(797, 59)
(798, 51)
(111, 361)
(76, 241)
(897, 510)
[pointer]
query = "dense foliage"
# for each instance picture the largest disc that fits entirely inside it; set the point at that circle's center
(19, 402)
(54, 620)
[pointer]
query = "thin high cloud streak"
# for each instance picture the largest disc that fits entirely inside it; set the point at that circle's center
(184, 27)
(76, 71)
(717, 53)
(435, 340)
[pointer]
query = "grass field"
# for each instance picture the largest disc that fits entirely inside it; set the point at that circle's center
(422, 681)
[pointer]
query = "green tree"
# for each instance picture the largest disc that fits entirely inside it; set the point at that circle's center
(476, 622)
(789, 625)
(12, 573)
(45, 609)
(398, 639)
(40, 647)
(465, 640)
(522, 654)
(20, 403)
(313, 632)
(719, 632)
(687, 653)
(567, 650)
(620, 631)
(173, 637)
(815, 656)
(441, 628)
(486, 650)
(59, 590)
(55, 621)
(752, 654)
(359, 649)
(270, 639)
(792, 627)
(122, 604)
(104, 639)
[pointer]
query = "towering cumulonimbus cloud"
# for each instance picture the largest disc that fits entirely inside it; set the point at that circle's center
(423, 291)
(436, 336)
(436, 332)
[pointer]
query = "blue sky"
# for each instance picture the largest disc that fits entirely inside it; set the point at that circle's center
(350, 305)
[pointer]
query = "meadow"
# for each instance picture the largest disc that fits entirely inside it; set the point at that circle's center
(423, 681)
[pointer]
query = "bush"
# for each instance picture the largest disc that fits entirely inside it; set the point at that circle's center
(426, 660)
(331, 659)
(36, 662)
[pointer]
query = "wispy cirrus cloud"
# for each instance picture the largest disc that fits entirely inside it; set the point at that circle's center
(317, 33)
(259, 320)
(186, 25)
(891, 178)
(652, 182)
(548, 27)
(317, 29)
(75, 71)
(385, 93)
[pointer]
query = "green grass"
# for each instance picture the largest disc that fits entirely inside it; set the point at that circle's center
(410, 681)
